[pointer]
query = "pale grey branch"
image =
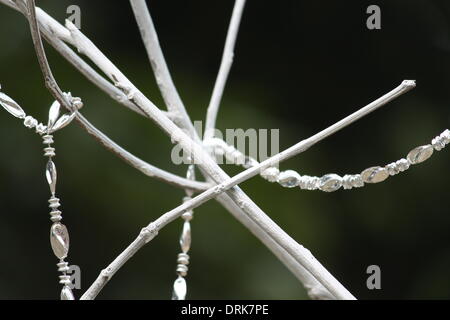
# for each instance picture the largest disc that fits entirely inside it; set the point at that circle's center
(306, 259)
(161, 71)
(224, 70)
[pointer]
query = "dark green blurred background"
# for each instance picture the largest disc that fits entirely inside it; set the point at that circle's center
(299, 66)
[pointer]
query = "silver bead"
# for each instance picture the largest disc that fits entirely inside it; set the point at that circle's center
(188, 215)
(63, 266)
(182, 270)
(41, 129)
(330, 182)
(309, 183)
(350, 181)
(374, 175)
(67, 294)
(30, 122)
(420, 154)
(53, 114)
(59, 240)
(183, 258)
(64, 279)
(51, 175)
(63, 121)
(47, 139)
(392, 168)
(402, 164)
(179, 289)
(11, 106)
(289, 179)
(270, 174)
(49, 152)
(185, 238)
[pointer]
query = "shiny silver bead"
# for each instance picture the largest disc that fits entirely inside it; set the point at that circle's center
(182, 270)
(30, 122)
(64, 279)
(289, 179)
(330, 182)
(374, 175)
(183, 258)
(67, 294)
(63, 266)
(59, 240)
(420, 154)
(179, 289)
(350, 181)
(48, 139)
(185, 238)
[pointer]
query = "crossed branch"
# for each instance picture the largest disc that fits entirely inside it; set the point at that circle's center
(175, 122)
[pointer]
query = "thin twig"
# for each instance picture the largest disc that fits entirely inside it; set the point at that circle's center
(161, 71)
(306, 258)
(225, 66)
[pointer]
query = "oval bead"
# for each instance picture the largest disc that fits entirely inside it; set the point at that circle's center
(59, 240)
(11, 106)
(185, 239)
(63, 121)
(67, 294)
(420, 154)
(179, 289)
(51, 175)
(374, 175)
(330, 182)
(289, 179)
(53, 114)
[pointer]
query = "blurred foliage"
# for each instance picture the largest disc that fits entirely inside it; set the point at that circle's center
(299, 67)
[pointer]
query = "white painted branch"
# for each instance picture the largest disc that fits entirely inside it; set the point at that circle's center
(298, 252)
(137, 163)
(302, 255)
(314, 288)
(47, 26)
(161, 71)
(225, 66)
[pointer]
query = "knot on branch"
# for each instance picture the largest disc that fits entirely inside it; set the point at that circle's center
(106, 273)
(149, 232)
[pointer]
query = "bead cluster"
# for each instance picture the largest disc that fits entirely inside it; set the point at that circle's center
(179, 286)
(59, 236)
(332, 182)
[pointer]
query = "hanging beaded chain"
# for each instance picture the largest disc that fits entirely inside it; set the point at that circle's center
(59, 236)
(179, 286)
(330, 182)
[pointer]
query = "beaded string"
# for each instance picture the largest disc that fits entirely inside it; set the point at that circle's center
(331, 182)
(179, 286)
(59, 236)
